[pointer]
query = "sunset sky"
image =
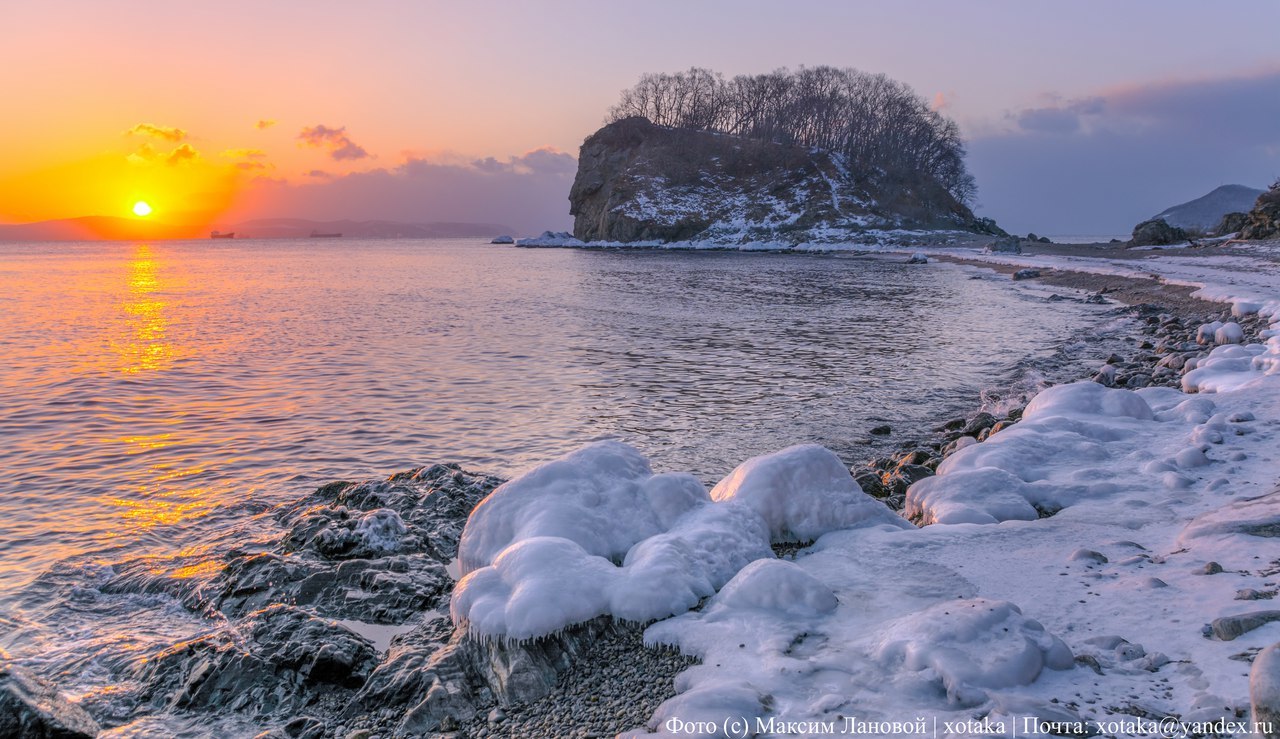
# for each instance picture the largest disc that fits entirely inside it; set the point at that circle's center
(1082, 117)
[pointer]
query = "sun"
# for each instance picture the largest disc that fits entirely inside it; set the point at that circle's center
(141, 209)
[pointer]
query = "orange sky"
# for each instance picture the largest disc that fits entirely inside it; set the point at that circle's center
(108, 103)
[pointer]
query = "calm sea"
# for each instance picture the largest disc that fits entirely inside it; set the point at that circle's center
(155, 398)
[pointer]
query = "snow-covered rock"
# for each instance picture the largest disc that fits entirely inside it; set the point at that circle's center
(971, 645)
(597, 533)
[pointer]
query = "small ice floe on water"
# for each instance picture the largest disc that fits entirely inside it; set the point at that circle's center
(502, 240)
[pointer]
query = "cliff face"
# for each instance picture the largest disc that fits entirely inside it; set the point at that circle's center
(641, 182)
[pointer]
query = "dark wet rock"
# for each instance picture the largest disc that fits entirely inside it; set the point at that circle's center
(1026, 274)
(1088, 555)
(385, 590)
(463, 679)
(914, 456)
(1230, 627)
(871, 483)
(883, 430)
(302, 727)
(32, 709)
(274, 662)
(1137, 381)
(978, 423)
(905, 476)
(1156, 232)
(373, 551)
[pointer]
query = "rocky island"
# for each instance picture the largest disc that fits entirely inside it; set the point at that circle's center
(814, 159)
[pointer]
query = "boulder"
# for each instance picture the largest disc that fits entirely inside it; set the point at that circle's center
(1264, 691)
(1264, 220)
(1231, 223)
(275, 662)
(1009, 245)
(503, 240)
(1026, 274)
(1156, 232)
(32, 709)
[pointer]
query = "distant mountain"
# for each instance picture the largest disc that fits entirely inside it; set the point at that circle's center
(108, 228)
(95, 228)
(1206, 212)
(288, 228)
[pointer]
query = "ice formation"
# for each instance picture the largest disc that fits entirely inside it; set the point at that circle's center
(596, 533)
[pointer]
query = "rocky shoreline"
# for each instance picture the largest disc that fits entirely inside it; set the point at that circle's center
(1172, 339)
(340, 628)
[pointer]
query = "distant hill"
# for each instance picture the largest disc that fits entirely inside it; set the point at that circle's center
(95, 228)
(108, 228)
(1206, 212)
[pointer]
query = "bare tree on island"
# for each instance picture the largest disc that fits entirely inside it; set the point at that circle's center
(880, 126)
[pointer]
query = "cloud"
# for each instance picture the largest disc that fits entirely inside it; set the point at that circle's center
(529, 192)
(167, 133)
(264, 124)
(184, 154)
(244, 154)
(545, 160)
(334, 140)
(1101, 163)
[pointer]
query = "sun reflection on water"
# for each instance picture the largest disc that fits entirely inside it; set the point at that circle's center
(145, 346)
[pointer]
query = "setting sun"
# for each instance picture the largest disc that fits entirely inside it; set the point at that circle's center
(141, 209)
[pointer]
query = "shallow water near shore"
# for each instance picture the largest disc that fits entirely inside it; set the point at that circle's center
(158, 398)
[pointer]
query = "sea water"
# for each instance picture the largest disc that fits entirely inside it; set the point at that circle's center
(158, 399)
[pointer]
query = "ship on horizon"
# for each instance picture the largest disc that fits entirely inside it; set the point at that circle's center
(221, 235)
(321, 235)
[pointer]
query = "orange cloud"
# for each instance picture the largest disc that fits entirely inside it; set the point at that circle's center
(334, 140)
(264, 124)
(245, 154)
(167, 133)
(181, 155)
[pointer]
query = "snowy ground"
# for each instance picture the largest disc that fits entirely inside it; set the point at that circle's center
(992, 619)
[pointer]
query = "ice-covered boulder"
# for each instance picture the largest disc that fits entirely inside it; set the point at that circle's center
(596, 533)
(1264, 691)
(603, 497)
(1004, 478)
(972, 645)
(802, 492)
(1087, 399)
(502, 240)
(552, 239)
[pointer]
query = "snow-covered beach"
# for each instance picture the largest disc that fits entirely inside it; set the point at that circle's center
(1102, 566)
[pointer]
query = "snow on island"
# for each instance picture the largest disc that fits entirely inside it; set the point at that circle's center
(1095, 565)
